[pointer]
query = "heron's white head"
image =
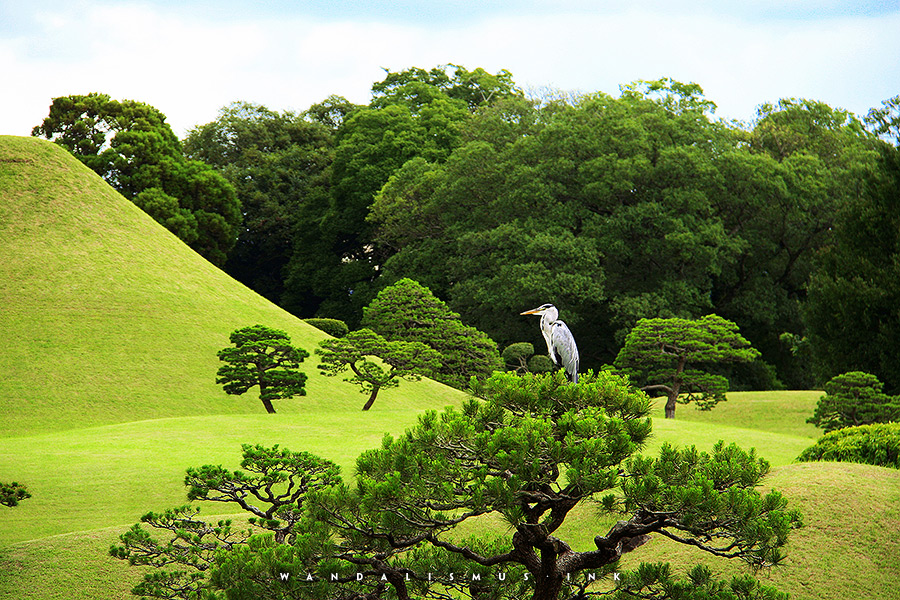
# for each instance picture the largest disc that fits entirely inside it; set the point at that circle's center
(544, 309)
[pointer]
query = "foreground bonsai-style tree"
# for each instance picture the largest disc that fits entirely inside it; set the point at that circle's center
(527, 449)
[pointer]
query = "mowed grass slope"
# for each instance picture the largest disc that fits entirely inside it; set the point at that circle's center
(106, 317)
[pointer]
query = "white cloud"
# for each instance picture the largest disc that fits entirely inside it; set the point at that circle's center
(188, 64)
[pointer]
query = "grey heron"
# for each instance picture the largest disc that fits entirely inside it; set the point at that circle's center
(560, 343)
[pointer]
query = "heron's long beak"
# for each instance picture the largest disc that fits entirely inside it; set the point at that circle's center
(535, 311)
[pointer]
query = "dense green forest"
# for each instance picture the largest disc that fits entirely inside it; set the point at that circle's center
(615, 209)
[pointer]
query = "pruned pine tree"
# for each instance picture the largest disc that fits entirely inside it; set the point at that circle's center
(13, 493)
(658, 354)
(355, 352)
(526, 450)
(262, 357)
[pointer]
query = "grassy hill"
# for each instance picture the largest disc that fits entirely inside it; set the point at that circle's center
(109, 328)
(107, 317)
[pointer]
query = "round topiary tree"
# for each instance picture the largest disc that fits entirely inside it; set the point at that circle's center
(333, 327)
(408, 311)
(854, 398)
(515, 356)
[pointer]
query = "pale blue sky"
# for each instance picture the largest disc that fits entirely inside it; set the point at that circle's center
(188, 58)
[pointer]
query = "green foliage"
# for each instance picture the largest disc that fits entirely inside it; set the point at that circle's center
(262, 356)
(191, 548)
(278, 164)
(416, 87)
(885, 120)
(657, 353)
(333, 327)
(408, 311)
(854, 398)
(877, 444)
(413, 114)
(570, 200)
(272, 487)
(534, 449)
(851, 311)
(709, 492)
(407, 360)
(13, 493)
(540, 363)
(515, 356)
(131, 146)
(526, 448)
(656, 581)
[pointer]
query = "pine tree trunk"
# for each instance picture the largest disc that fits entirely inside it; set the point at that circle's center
(266, 402)
(548, 587)
(670, 405)
(676, 389)
(371, 399)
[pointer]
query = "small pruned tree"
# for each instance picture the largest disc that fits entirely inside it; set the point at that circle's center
(658, 354)
(410, 312)
(262, 357)
(272, 486)
(355, 351)
(516, 356)
(13, 493)
(852, 399)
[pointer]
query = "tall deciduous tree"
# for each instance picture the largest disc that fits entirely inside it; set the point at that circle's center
(278, 163)
(262, 357)
(658, 353)
(409, 312)
(354, 351)
(129, 144)
(852, 311)
(413, 113)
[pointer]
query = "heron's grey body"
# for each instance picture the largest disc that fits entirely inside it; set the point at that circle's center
(560, 343)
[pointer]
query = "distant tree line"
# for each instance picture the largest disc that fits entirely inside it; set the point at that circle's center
(617, 209)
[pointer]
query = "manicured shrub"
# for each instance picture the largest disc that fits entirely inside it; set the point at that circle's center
(515, 356)
(540, 363)
(876, 444)
(852, 399)
(333, 327)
